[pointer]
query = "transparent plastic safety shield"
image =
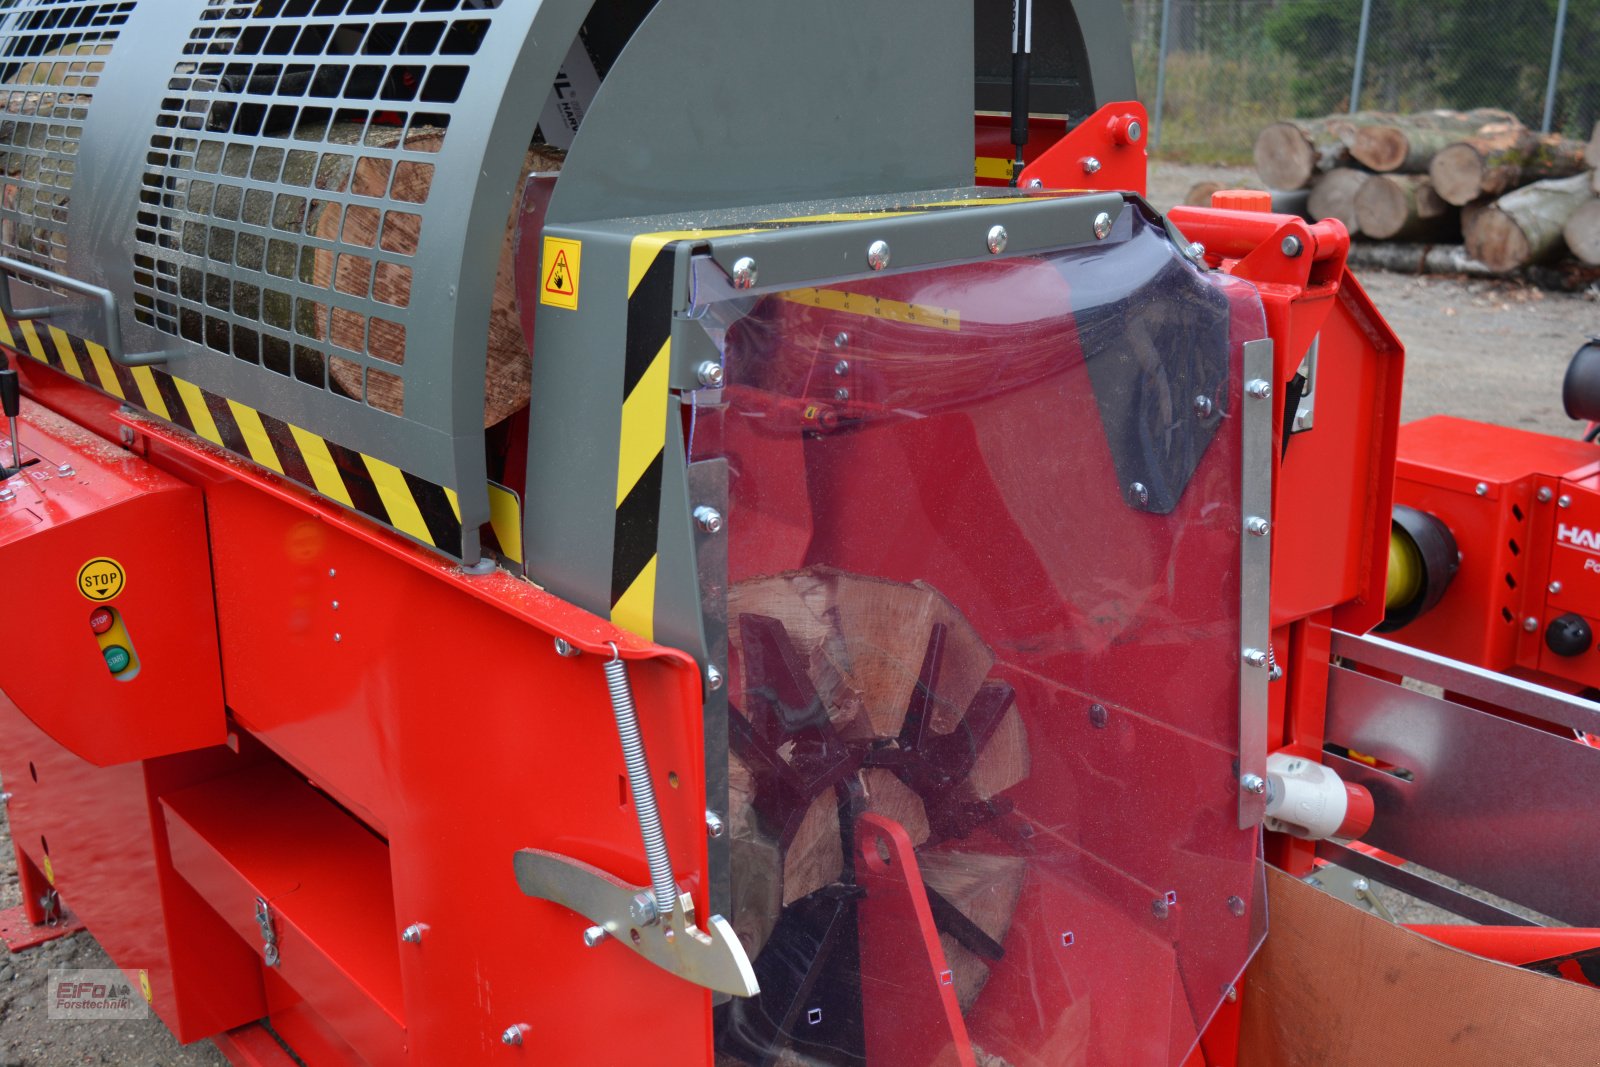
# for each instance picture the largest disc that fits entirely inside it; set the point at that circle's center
(984, 623)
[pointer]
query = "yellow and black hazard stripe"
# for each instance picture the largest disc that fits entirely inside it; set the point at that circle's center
(418, 508)
(641, 453)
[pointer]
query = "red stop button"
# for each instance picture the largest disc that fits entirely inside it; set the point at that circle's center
(101, 620)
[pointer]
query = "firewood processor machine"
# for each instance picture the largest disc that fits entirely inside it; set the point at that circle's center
(571, 533)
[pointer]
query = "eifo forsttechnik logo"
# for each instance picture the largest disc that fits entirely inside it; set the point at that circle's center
(90, 995)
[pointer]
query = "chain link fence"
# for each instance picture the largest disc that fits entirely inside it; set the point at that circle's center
(1213, 72)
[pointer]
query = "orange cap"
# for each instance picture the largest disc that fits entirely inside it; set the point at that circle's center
(1242, 199)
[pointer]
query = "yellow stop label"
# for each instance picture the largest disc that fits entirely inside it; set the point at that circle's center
(101, 579)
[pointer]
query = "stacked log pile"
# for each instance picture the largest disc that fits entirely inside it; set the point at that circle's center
(1511, 198)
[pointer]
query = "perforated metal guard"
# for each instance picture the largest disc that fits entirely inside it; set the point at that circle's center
(287, 193)
(51, 60)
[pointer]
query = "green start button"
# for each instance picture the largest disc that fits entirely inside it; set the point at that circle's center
(117, 658)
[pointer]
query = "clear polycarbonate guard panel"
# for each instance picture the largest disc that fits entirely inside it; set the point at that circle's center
(984, 611)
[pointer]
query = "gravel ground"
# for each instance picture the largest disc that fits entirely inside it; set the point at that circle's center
(29, 1038)
(1493, 351)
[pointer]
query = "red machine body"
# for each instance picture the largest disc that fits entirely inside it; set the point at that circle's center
(1524, 509)
(345, 800)
(288, 814)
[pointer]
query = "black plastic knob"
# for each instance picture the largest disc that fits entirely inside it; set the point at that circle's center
(1569, 635)
(10, 394)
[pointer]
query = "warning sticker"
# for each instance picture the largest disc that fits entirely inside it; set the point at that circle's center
(101, 579)
(563, 260)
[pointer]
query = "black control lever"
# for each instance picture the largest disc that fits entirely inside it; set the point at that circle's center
(11, 404)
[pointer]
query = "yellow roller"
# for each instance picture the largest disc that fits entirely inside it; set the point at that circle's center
(1405, 570)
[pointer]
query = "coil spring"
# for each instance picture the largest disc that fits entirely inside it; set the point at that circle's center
(664, 887)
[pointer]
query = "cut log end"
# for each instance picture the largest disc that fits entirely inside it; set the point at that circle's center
(1401, 206)
(1525, 226)
(1285, 157)
(1334, 196)
(1497, 242)
(1380, 148)
(1457, 173)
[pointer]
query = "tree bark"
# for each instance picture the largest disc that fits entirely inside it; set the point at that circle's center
(1334, 196)
(1290, 154)
(1403, 207)
(1525, 226)
(1408, 143)
(1500, 159)
(1411, 258)
(1405, 258)
(1582, 232)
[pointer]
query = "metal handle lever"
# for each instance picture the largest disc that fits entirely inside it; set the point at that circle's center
(712, 958)
(658, 924)
(111, 319)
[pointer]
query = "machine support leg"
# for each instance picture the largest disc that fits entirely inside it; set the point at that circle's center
(34, 888)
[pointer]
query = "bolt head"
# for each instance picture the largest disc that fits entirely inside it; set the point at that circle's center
(841, 339)
(1230, 994)
(713, 678)
(1102, 226)
(1253, 784)
(1255, 657)
(412, 935)
(715, 827)
(1291, 246)
(512, 1035)
(1563, 501)
(878, 255)
(1482, 489)
(1202, 406)
(1139, 493)
(710, 374)
(642, 910)
(744, 273)
(1258, 388)
(842, 368)
(1258, 526)
(996, 240)
(1091, 165)
(1555, 587)
(1360, 885)
(596, 935)
(1035, 183)
(708, 518)
(1098, 716)
(1545, 494)
(1135, 131)
(1236, 907)
(841, 393)
(1531, 623)
(1195, 251)
(564, 648)
(1160, 908)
